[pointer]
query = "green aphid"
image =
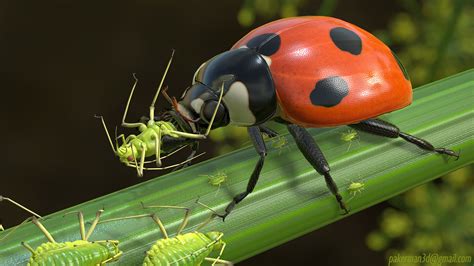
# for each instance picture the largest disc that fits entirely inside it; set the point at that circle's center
(217, 179)
(190, 249)
(354, 188)
(350, 136)
(279, 143)
(79, 252)
(160, 136)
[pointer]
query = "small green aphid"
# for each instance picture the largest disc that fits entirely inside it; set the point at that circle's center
(188, 249)
(217, 179)
(350, 136)
(279, 143)
(354, 188)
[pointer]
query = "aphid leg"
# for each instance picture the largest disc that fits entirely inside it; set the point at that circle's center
(94, 224)
(315, 157)
(168, 166)
(259, 144)
(107, 132)
(382, 128)
(157, 148)
(2, 198)
(82, 227)
(152, 106)
(114, 257)
(185, 218)
(225, 262)
(131, 125)
(194, 149)
(153, 216)
(142, 159)
(14, 228)
(43, 229)
(210, 218)
(29, 248)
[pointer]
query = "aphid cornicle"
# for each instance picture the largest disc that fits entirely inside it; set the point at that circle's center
(79, 252)
(188, 249)
(301, 72)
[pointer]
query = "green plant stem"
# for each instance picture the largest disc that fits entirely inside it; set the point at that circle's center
(291, 199)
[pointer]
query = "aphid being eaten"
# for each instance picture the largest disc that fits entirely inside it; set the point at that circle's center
(78, 252)
(184, 248)
(161, 136)
(350, 136)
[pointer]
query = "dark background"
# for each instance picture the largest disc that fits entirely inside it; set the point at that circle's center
(61, 63)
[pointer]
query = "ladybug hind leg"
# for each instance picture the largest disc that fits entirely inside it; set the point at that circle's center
(315, 157)
(386, 129)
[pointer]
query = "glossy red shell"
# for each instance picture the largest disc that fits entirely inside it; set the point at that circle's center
(307, 54)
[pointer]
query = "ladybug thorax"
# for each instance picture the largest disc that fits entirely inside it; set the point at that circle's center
(249, 96)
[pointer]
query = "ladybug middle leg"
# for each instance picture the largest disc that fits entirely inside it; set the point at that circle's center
(315, 157)
(382, 128)
(259, 144)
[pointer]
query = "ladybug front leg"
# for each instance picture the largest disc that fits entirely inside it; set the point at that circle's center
(383, 128)
(315, 157)
(259, 144)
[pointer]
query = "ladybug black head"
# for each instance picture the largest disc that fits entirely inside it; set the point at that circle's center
(249, 96)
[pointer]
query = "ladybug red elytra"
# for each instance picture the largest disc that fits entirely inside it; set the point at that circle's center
(302, 72)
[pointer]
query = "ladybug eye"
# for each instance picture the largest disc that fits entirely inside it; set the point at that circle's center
(207, 110)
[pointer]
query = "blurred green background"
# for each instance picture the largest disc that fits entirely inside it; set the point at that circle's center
(62, 62)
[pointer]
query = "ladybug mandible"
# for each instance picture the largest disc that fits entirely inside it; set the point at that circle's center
(303, 72)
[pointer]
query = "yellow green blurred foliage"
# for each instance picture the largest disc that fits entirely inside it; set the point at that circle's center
(432, 218)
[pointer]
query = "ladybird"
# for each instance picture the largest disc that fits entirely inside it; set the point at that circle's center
(302, 72)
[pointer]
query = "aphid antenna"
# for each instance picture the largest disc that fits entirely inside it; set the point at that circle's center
(107, 133)
(168, 155)
(2, 198)
(152, 106)
(148, 215)
(14, 228)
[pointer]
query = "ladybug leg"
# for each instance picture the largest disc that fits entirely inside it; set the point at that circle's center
(315, 157)
(386, 129)
(268, 131)
(259, 144)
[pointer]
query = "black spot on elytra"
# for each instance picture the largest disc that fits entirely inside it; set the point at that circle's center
(266, 44)
(346, 40)
(329, 92)
(402, 68)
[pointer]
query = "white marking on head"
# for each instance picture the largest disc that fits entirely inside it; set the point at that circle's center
(237, 102)
(196, 104)
(183, 111)
(267, 59)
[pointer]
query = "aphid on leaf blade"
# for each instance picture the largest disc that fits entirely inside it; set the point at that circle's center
(79, 252)
(182, 249)
(279, 142)
(354, 188)
(350, 136)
